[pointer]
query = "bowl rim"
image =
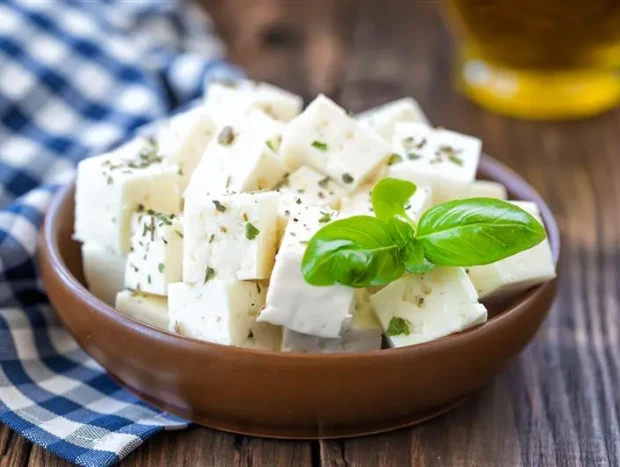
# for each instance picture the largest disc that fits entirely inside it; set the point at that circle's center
(491, 169)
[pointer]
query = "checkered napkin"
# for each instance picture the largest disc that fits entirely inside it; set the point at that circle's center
(77, 78)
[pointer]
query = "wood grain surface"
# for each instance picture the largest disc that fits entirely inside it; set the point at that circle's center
(558, 403)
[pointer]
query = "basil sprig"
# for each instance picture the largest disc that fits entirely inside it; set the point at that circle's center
(364, 251)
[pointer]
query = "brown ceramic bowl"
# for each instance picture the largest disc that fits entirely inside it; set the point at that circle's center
(287, 395)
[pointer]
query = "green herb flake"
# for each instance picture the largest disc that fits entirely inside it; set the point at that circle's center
(283, 182)
(398, 326)
(251, 232)
(160, 267)
(146, 156)
(451, 154)
(258, 289)
(148, 278)
(412, 156)
(211, 238)
(298, 201)
(325, 218)
(178, 233)
(455, 159)
(110, 180)
(219, 206)
(227, 136)
(347, 178)
(209, 274)
(271, 146)
(321, 146)
(394, 159)
(323, 183)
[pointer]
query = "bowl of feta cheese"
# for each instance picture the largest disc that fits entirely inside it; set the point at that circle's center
(179, 262)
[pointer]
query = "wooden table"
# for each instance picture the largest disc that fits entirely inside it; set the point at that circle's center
(556, 404)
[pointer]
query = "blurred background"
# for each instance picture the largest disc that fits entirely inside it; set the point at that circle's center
(534, 59)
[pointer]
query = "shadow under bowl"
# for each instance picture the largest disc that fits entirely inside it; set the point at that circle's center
(286, 395)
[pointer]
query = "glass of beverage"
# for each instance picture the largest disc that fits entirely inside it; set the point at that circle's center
(539, 59)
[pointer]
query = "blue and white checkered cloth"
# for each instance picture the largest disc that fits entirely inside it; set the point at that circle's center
(76, 78)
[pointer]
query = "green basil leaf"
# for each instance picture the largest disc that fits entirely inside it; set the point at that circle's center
(400, 230)
(412, 256)
(476, 231)
(357, 251)
(390, 196)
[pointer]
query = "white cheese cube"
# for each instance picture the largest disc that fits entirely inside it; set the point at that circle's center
(486, 189)
(234, 236)
(423, 307)
(228, 101)
(183, 139)
(360, 203)
(291, 301)
(517, 273)
(304, 222)
(223, 312)
(444, 160)
(312, 187)
(104, 271)
(325, 138)
(384, 118)
(239, 159)
(149, 309)
(362, 335)
(111, 187)
(156, 253)
(307, 187)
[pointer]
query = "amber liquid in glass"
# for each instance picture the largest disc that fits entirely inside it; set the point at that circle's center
(545, 59)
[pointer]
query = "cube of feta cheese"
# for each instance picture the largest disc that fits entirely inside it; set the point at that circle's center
(444, 160)
(291, 301)
(104, 271)
(363, 333)
(149, 309)
(156, 253)
(312, 188)
(517, 273)
(360, 203)
(306, 187)
(111, 187)
(233, 236)
(223, 312)
(183, 139)
(486, 189)
(423, 307)
(384, 118)
(228, 101)
(240, 158)
(325, 138)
